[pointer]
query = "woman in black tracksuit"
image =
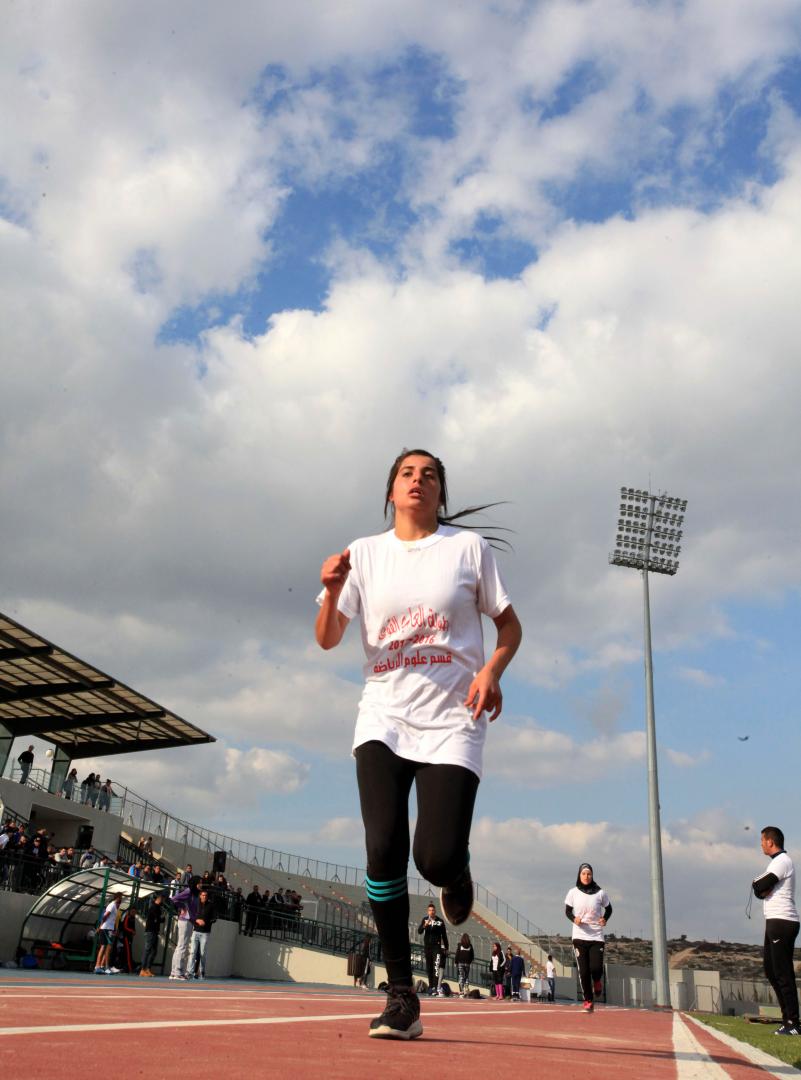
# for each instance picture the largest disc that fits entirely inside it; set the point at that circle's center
(588, 908)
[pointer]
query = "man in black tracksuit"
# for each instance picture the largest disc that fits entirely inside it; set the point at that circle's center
(435, 946)
(776, 889)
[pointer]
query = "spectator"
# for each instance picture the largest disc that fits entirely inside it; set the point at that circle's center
(69, 785)
(186, 876)
(186, 900)
(88, 859)
(361, 964)
(497, 964)
(518, 969)
(107, 933)
(94, 791)
(105, 796)
(464, 958)
(86, 785)
(507, 973)
(152, 928)
(157, 875)
(135, 870)
(25, 761)
(254, 904)
(200, 936)
(125, 940)
(550, 975)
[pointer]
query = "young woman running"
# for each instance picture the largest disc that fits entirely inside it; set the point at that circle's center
(419, 591)
(588, 908)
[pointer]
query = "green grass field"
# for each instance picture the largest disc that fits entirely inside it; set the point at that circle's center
(759, 1035)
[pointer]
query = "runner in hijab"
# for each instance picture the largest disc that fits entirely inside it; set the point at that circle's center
(588, 908)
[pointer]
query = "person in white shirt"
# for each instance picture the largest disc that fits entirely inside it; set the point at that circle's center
(776, 889)
(588, 908)
(550, 975)
(419, 591)
(106, 933)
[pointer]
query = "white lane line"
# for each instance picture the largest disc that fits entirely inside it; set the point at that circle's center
(692, 1061)
(154, 1025)
(170, 995)
(773, 1066)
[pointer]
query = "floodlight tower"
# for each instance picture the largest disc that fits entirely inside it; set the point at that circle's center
(648, 539)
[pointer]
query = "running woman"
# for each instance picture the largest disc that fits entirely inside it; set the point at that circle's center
(419, 591)
(588, 908)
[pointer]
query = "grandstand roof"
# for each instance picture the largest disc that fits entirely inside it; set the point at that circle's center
(48, 692)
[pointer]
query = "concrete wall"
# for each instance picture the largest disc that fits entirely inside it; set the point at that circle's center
(61, 816)
(13, 909)
(689, 988)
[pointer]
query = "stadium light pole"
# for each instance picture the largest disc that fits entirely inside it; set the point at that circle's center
(648, 539)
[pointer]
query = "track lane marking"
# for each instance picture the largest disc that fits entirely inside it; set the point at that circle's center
(773, 1066)
(692, 1061)
(154, 1025)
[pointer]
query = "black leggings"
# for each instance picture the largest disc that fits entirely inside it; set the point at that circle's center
(446, 795)
(590, 960)
(780, 935)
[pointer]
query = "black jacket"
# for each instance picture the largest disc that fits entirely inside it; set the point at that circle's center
(434, 936)
(464, 954)
(153, 919)
(206, 913)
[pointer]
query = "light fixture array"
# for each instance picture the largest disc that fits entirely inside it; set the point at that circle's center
(648, 531)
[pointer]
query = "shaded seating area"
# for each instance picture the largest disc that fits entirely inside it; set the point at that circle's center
(59, 930)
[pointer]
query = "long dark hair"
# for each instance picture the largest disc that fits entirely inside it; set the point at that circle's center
(444, 518)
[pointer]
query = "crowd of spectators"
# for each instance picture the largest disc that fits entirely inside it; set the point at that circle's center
(262, 909)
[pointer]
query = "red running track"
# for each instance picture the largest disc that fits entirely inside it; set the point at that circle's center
(129, 1027)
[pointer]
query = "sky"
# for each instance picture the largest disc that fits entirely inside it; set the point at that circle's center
(249, 253)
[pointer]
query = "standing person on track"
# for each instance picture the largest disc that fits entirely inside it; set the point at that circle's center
(776, 889)
(107, 931)
(497, 964)
(550, 975)
(588, 908)
(465, 954)
(435, 943)
(419, 591)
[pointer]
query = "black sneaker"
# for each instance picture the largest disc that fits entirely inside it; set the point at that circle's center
(787, 1029)
(401, 1018)
(456, 900)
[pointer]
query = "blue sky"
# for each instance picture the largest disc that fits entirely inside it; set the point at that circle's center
(245, 259)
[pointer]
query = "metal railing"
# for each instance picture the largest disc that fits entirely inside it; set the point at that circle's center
(341, 940)
(145, 817)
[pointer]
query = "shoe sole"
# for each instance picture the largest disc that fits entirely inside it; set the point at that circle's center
(455, 922)
(414, 1031)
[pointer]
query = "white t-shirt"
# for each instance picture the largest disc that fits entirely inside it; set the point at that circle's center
(591, 908)
(550, 970)
(420, 605)
(110, 917)
(780, 903)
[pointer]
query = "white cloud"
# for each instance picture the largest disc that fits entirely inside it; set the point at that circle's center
(682, 760)
(699, 677)
(537, 757)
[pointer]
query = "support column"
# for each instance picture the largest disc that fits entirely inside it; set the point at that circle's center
(6, 739)
(61, 765)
